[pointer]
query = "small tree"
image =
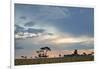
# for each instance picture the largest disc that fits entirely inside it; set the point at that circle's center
(22, 57)
(38, 52)
(84, 53)
(92, 53)
(59, 55)
(25, 57)
(75, 52)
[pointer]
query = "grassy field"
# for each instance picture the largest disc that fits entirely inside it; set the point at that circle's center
(53, 60)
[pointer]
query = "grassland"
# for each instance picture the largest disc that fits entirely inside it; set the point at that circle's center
(53, 60)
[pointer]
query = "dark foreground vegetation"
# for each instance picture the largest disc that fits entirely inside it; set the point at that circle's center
(76, 58)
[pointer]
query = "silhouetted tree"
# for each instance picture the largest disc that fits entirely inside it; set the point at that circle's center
(59, 55)
(35, 56)
(43, 52)
(39, 53)
(75, 52)
(22, 57)
(25, 57)
(84, 53)
(92, 53)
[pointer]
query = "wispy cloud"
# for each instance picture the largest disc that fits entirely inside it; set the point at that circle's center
(19, 28)
(29, 24)
(31, 30)
(73, 40)
(23, 17)
(52, 13)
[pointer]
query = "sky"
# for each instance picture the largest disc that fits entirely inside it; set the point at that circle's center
(58, 27)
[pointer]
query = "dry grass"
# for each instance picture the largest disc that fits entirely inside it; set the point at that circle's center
(53, 60)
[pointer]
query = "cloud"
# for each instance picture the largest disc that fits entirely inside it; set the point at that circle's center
(73, 40)
(25, 35)
(65, 19)
(50, 34)
(23, 17)
(57, 42)
(19, 28)
(88, 42)
(65, 27)
(67, 40)
(29, 33)
(29, 24)
(51, 13)
(32, 30)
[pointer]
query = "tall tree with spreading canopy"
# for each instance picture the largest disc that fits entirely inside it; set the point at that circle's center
(43, 51)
